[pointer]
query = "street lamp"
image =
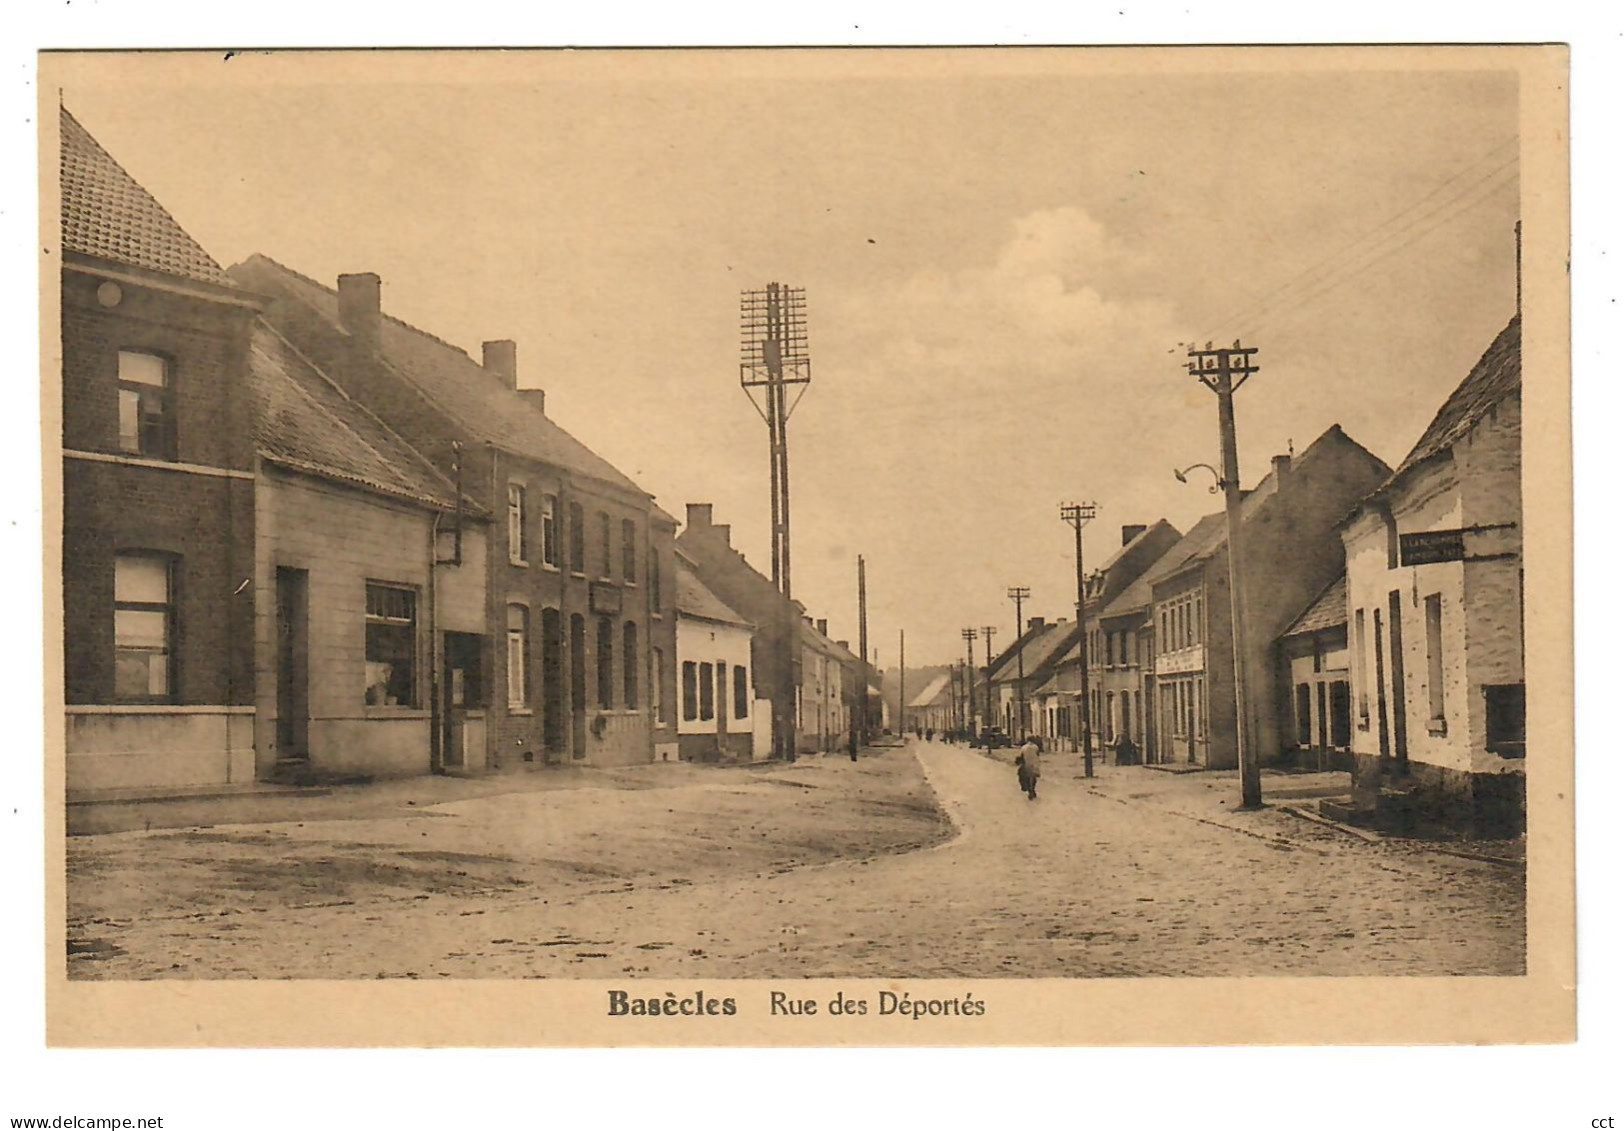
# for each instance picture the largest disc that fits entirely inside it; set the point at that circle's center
(1223, 371)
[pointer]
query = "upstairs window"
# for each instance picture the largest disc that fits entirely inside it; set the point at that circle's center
(391, 625)
(628, 551)
(143, 628)
(549, 530)
(518, 536)
(605, 557)
(577, 539)
(143, 406)
(654, 579)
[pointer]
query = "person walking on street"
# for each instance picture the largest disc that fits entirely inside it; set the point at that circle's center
(1027, 770)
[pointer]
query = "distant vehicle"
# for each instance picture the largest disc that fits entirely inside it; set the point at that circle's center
(993, 738)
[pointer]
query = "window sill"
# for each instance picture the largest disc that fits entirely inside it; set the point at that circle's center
(520, 562)
(520, 712)
(395, 712)
(549, 567)
(1437, 727)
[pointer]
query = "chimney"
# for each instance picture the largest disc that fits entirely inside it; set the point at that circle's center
(1034, 623)
(360, 309)
(1129, 533)
(1282, 468)
(823, 625)
(536, 398)
(699, 516)
(501, 359)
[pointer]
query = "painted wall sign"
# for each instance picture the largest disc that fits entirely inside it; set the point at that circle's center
(1427, 547)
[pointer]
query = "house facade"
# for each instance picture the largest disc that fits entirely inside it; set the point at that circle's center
(1292, 553)
(369, 589)
(578, 663)
(826, 701)
(718, 717)
(1314, 709)
(1435, 584)
(158, 491)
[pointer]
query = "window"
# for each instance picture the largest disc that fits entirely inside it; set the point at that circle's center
(707, 692)
(518, 651)
(1435, 662)
(1504, 719)
(1340, 723)
(741, 692)
(628, 664)
(518, 542)
(628, 551)
(721, 689)
(391, 670)
(143, 405)
(606, 662)
(690, 691)
(604, 561)
(577, 539)
(654, 579)
(549, 530)
(1200, 634)
(143, 627)
(656, 699)
(1360, 660)
(1109, 718)
(1305, 722)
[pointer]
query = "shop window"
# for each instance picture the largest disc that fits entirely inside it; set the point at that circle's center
(741, 692)
(1504, 719)
(606, 663)
(549, 530)
(143, 405)
(690, 691)
(143, 627)
(628, 664)
(518, 536)
(1305, 720)
(391, 664)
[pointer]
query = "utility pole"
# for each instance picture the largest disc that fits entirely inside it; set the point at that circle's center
(1224, 371)
(987, 631)
(773, 356)
(902, 683)
(1078, 514)
(862, 646)
(1018, 594)
(969, 635)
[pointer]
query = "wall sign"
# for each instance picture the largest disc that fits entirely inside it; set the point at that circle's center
(605, 598)
(1427, 547)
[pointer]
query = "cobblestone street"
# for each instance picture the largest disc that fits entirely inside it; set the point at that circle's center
(823, 868)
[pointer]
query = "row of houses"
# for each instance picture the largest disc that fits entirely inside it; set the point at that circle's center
(305, 539)
(1384, 624)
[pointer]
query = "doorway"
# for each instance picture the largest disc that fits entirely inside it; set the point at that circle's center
(462, 690)
(292, 663)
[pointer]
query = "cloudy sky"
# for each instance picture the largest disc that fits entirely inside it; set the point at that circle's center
(1001, 255)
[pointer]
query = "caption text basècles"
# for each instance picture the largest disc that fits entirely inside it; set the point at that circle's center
(624, 1003)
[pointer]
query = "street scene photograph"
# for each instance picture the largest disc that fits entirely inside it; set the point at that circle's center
(789, 514)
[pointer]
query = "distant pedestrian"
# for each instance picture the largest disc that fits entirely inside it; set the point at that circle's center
(930, 734)
(853, 744)
(1027, 770)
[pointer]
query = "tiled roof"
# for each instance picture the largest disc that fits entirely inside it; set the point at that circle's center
(1496, 376)
(458, 384)
(934, 690)
(694, 599)
(107, 215)
(1037, 649)
(305, 422)
(1328, 610)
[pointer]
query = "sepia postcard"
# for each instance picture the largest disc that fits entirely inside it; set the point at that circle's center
(936, 546)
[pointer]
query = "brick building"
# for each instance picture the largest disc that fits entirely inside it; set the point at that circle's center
(158, 491)
(718, 720)
(1435, 582)
(581, 644)
(369, 583)
(1292, 553)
